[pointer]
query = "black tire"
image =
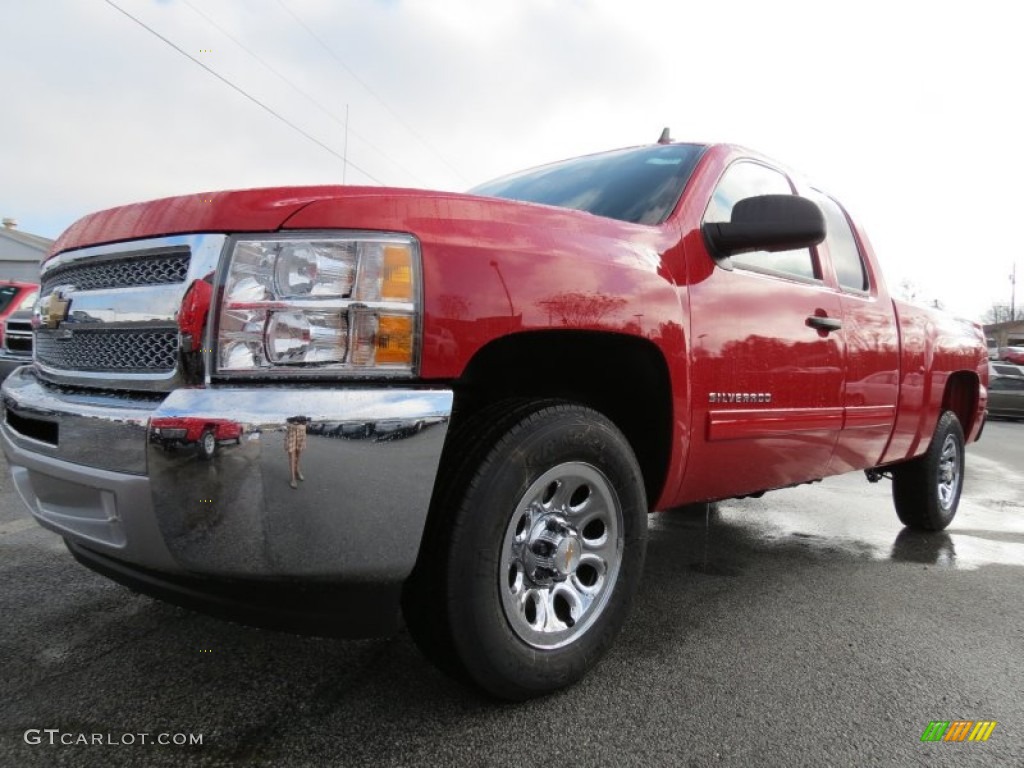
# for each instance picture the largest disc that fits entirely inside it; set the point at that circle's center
(461, 606)
(207, 444)
(424, 597)
(926, 490)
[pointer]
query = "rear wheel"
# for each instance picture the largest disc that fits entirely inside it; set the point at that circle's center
(926, 491)
(207, 444)
(541, 555)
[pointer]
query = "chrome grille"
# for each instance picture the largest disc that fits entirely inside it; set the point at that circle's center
(164, 268)
(113, 350)
(121, 304)
(18, 343)
(18, 336)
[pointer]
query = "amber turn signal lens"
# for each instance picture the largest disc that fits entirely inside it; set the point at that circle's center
(394, 339)
(396, 282)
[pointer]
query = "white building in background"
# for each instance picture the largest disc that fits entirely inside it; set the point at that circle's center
(21, 253)
(1007, 334)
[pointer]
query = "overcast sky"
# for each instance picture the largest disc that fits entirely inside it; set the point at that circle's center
(908, 112)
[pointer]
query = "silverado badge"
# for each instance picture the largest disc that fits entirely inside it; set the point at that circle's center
(739, 397)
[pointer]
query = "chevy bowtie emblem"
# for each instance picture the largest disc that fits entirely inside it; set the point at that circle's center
(54, 310)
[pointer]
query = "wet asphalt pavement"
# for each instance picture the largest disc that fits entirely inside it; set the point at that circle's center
(803, 628)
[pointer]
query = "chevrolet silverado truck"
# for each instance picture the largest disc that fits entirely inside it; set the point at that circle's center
(206, 433)
(15, 299)
(551, 357)
(16, 347)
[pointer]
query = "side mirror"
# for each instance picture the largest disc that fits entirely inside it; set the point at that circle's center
(767, 223)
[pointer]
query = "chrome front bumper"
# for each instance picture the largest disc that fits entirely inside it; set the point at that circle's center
(93, 468)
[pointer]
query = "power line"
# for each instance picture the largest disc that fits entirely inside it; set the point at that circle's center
(299, 90)
(372, 92)
(251, 98)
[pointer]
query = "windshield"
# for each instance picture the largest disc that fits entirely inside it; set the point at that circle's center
(27, 300)
(7, 294)
(639, 185)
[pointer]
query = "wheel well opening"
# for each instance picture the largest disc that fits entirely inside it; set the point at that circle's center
(961, 397)
(623, 377)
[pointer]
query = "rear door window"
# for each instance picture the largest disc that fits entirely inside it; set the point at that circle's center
(842, 245)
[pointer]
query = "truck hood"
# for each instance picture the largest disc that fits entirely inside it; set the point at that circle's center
(244, 210)
(323, 207)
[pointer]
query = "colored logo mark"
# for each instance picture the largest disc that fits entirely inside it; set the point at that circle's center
(958, 730)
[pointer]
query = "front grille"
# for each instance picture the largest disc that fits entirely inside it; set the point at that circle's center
(109, 313)
(165, 267)
(120, 351)
(95, 394)
(18, 343)
(18, 336)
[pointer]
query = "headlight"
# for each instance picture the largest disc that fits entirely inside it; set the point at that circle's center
(316, 269)
(303, 303)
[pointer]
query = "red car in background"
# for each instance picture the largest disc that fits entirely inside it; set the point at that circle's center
(15, 296)
(1013, 355)
(207, 433)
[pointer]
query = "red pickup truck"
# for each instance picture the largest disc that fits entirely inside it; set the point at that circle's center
(15, 297)
(552, 356)
(207, 434)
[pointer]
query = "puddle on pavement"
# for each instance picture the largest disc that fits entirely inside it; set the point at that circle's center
(985, 532)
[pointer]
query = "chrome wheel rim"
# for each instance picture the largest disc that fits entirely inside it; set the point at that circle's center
(949, 472)
(209, 442)
(560, 556)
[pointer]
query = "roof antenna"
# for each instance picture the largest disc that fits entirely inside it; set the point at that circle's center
(665, 138)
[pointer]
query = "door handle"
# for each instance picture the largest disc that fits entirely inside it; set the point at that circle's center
(825, 324)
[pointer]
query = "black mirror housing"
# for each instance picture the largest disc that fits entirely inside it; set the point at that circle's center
(768, 223)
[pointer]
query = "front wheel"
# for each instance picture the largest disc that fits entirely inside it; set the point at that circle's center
(926, 490)
(544, 551)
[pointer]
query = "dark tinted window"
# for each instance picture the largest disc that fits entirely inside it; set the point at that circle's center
(1007, 385)
(842, 245)
(743, 180)
(1005, 370)
(7, 294)
(638, 185)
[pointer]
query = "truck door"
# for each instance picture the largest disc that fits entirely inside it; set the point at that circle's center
(766, 358)
(871, 342)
